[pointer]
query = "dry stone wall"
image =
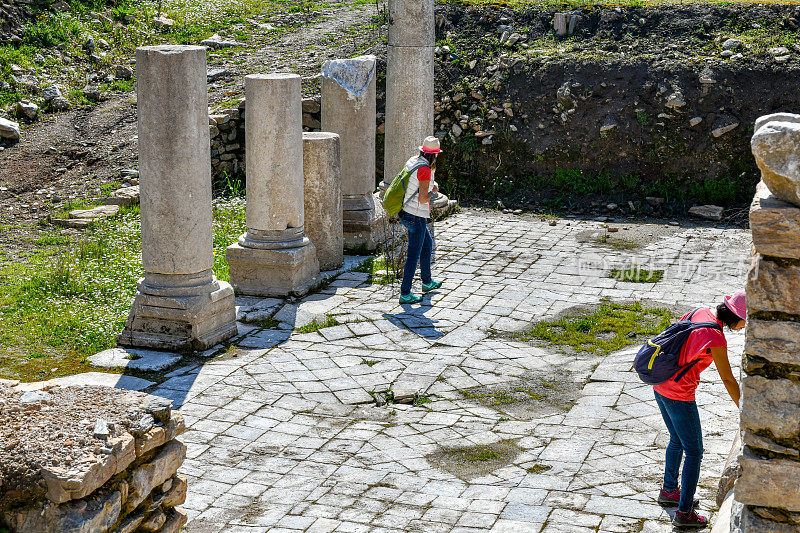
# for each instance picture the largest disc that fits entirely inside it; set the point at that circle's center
(91, 459)
(768, 489)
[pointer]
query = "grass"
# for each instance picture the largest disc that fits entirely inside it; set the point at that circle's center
(637, 275)
(317, 325)
(504, 396)
(266, 322)
(617, 243)
(601, 331)
(538, 468)
(369, 362)
(71, 297)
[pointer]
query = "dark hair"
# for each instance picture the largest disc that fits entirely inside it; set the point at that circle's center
(431, 158)
(728, 317)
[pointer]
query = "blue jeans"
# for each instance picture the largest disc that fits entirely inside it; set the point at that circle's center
(685, 439)
(420, 247)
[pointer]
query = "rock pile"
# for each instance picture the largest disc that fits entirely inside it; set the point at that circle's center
(767, 491)
(90, 459)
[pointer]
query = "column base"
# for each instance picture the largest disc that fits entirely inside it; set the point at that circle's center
(273, 273)
(180, 313)
(442, 206)
(365, 229)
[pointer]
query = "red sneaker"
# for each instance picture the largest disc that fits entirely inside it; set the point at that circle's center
(671, 499)
(690, 519)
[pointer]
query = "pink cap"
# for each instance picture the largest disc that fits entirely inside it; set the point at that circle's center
(737, 304)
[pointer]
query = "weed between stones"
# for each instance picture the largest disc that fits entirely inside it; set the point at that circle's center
(316, 325)
(606, 329)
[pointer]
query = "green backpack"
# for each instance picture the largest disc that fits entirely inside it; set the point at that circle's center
(396, 192)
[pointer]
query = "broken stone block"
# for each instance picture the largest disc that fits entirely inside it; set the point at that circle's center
(708, 212)
(773, 286)
(154, 473)
(123, 196)
(777, 342)
(773, 405)
(775, 225)
(768, 482)
(96, 514)
(775, 145)
(72, 483)
(176, 494)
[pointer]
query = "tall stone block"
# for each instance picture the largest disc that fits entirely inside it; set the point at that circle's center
(323, 197)
(179, 304)
(348, 109)
(274, 257)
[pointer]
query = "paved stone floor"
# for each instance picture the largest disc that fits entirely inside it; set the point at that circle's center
(286, 437)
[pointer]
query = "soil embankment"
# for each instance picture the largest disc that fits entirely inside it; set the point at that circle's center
(641, 101)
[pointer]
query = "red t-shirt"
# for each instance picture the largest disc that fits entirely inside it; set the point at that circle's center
(424, 174)
(698, 345)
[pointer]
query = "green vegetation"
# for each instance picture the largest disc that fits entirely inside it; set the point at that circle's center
(369, 362)
(56, 39)
(316, 325)
(617, 243)
(71, 297)
(504, 396)
(266, 322)
(601, 331)
(637, 275)
(538, 468)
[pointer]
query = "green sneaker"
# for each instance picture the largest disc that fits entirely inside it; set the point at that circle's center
(410, 298)
(432, 286)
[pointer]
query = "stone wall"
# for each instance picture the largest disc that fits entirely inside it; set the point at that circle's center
(89, 459)
(768, 490)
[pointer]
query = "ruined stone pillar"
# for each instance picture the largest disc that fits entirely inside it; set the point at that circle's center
(323, 197)
(274, 257)
(767, 494)
(348, 108)
(409, 86)
(179, 304)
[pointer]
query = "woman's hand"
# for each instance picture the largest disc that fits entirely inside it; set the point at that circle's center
(720, 356)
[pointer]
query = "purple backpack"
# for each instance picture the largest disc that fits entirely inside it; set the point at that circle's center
(659, 359)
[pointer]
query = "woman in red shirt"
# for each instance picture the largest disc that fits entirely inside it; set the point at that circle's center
(679, 409)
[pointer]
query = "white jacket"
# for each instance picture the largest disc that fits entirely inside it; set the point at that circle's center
(411, 203)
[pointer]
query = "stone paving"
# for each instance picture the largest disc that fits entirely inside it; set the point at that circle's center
(284, 434)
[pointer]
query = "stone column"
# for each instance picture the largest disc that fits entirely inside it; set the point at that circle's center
(274, 257)
(348, 108)
(179, 304)
(323, 197)
(767, 494)
(409, 86)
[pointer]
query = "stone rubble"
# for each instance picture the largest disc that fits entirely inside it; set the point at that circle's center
(63, 467)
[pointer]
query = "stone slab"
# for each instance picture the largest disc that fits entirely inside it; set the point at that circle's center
(771, 404)
(775, 341)
(769, 483)
(775, 225)
(773, 286)
(135, 359)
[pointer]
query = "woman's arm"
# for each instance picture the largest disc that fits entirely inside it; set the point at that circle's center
(720, 356)
(424, 192)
